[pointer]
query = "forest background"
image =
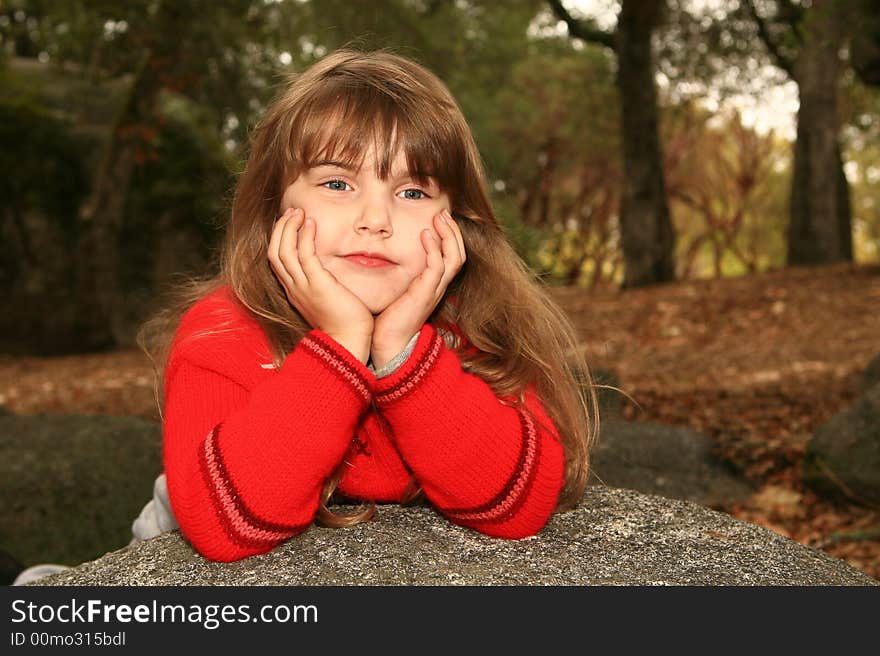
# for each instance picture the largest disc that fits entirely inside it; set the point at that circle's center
(629, 145)
(124, 124)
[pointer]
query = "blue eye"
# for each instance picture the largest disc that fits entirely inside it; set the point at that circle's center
(414, 194)
(335, 185)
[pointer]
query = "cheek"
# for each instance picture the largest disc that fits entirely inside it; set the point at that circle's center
(411, 272)
(324, 244)
(290, 197)
(416, 257)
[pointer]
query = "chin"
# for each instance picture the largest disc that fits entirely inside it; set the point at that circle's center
(375, 302)
(375, 305)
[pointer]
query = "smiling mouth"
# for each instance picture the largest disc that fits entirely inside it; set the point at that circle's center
(371, 261)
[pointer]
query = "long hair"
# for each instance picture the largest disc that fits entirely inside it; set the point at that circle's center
(338, 109)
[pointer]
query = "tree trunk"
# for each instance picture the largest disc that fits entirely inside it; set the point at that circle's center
(819, 230)
(103, 316)
(648, 239)
(100, 218)
(101, 313)
(98, 297)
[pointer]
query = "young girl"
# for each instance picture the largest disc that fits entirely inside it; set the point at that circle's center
(371, 335)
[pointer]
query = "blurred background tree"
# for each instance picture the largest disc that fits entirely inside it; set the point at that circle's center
(124, 124)
(647, 237)
(805, 40)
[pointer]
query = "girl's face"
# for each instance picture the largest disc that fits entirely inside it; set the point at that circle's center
(357, 212)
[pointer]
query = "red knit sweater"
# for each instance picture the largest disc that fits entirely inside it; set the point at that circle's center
(247, 447)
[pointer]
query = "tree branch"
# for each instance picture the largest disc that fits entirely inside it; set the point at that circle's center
(781, 60)
(585, 30)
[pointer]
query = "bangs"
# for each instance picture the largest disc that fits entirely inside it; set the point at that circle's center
(347, 119)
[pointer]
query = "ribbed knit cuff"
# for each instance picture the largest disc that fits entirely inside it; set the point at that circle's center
(395, 363)
(340, 361)
(404, 380)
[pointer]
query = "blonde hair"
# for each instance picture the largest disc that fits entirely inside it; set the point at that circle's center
(339, 108)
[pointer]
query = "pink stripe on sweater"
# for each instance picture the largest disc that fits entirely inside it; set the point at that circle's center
(422, 367)
(515, 491)
(340, 366)
(237, 523)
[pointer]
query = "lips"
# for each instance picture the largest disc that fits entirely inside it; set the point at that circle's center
(367, 259)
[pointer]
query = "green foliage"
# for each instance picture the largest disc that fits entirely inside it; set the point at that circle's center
(578, 258)
(223, 55)
(190, 171)
(557, 98)
(544, 112)
(183, 186)
(44, 182)
(554, 146)
(42, 163)
(526, 239)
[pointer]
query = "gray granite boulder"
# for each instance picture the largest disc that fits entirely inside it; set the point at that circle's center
(671, 461)
(842, 459)
(72, 485)
(614, 537)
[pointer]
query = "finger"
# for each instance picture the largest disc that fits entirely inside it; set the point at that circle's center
(275, 237)
(456, 230)
(449, 244)
(274, 248)
(307, 253)
(452, 254)
(433, 273)
(289, 247)
(451, 260)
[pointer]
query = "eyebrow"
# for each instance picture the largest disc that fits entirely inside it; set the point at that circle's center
(330, 162)
(347, 167)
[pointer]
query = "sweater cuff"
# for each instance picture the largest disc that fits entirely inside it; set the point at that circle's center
(395, 363)
(406, 378)
(341, 362)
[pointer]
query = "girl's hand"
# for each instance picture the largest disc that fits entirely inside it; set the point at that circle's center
(397, 323)
(321, 299)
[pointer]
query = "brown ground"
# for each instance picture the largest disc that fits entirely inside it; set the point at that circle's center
(757, 363)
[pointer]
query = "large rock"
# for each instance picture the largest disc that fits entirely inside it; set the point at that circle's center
(615, 537)
(72, 485)
(842, 459)
(671, 461)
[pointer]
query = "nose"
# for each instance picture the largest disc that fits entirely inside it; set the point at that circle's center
(374, 217)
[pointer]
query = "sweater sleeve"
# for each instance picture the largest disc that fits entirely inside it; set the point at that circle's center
(245, 467)
(483, 464)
